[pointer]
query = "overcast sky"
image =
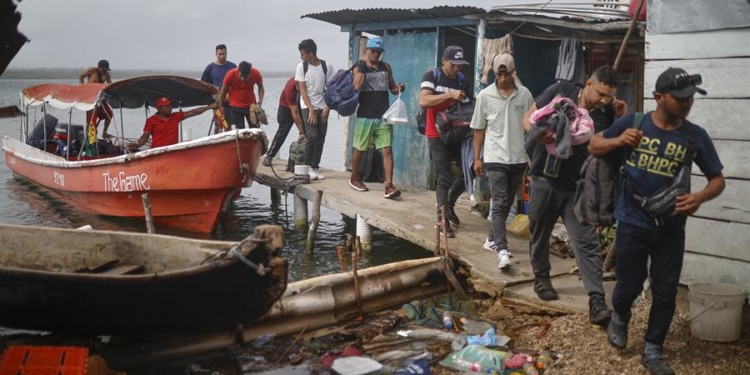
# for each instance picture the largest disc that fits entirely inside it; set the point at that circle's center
(182, 34)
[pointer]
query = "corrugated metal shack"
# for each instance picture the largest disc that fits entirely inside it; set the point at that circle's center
(415, 39)
(716, 46)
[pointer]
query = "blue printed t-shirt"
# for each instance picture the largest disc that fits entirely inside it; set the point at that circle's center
(214, 73)
(564, 174)
(654, 163)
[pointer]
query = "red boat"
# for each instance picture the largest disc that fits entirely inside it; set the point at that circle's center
(189, 184)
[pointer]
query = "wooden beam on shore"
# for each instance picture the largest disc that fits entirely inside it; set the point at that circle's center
(147, 210)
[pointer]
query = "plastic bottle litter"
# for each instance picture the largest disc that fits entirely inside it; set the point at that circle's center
(543, 361)
(447, 321)
(475, 366)
(529, 368)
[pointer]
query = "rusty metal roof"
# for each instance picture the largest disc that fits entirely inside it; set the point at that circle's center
(355, 16)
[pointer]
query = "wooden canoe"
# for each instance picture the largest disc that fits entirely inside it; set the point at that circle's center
(114, 283)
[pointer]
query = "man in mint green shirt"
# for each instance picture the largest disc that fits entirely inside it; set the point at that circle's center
(498, 130)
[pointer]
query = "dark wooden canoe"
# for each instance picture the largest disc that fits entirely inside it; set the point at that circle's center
(115, 283)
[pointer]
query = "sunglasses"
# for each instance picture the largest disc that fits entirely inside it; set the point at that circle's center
(683, 81)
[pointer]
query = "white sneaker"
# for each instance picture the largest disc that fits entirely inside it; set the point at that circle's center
(313, 174)
(490, 246)
(317, 173)
(503, 259)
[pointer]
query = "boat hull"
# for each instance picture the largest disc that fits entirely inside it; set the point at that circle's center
(188, 285)
(188, 184)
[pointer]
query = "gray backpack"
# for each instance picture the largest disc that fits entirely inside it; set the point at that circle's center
(599, 187)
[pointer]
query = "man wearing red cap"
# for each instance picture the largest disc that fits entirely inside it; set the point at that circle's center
(163, 125)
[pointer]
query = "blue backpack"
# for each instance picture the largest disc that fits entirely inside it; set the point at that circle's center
(421, 116)
(340, 94)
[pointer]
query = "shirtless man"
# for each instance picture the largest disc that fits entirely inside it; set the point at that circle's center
(99, 74)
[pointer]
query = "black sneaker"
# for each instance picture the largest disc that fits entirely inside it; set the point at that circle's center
(657, 366)
(617, 333)
(543, 288)
(599, 314)
(448, 231)
(452, 217)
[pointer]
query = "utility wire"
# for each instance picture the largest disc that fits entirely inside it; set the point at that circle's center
(530, 17)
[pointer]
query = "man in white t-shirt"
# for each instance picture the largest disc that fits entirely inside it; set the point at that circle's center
(498, 128)
(311, 76)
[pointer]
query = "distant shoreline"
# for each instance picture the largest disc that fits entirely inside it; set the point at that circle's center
(70, 73)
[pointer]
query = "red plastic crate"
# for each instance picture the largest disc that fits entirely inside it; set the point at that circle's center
(44, 360)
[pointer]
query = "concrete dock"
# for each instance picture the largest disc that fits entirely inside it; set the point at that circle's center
(412, 217)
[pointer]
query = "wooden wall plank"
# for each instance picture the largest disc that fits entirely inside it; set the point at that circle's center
(734, 157)
(718, 238)
(722, 118)
(732, 205)
(410, 56)
(699, 268)
(722, 78)
(698, 45)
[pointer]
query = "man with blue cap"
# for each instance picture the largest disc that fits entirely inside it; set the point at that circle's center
(373, 79)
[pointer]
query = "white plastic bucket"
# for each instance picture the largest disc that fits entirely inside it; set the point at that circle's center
(716, 311)
(364, 232)
(301, 170)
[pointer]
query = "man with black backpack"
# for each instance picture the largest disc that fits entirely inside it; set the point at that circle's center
(311, 76)
(553, 185)
(660, 153)
(441, 88)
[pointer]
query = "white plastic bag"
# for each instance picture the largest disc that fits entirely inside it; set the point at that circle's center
(396, 114)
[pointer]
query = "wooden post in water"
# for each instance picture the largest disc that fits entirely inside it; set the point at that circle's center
(315, 221)
(147, 210)
(300, 212)
(275, 196)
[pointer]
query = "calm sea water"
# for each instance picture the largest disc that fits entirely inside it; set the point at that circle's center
(27, 204)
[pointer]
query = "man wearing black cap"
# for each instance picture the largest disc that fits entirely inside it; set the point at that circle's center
(440, 88)
(655, 154)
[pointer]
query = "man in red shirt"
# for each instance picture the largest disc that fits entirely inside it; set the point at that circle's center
(239, 84)
(288, 115)
(163, 126)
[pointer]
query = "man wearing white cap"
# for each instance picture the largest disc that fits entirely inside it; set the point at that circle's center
(498, 129)
(374, 80)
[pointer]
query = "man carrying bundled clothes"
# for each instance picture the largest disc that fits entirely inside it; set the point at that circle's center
(553, 185)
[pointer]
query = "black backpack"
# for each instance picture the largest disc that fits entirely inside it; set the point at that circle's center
(421, 116)
(599, 187)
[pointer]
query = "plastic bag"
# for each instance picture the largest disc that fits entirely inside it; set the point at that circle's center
(478, 359)
(396, 114)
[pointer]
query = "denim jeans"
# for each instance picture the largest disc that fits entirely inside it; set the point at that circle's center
(285, 120)
(666, 247)
(447, 189)
(315, 137)
(503, 188)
